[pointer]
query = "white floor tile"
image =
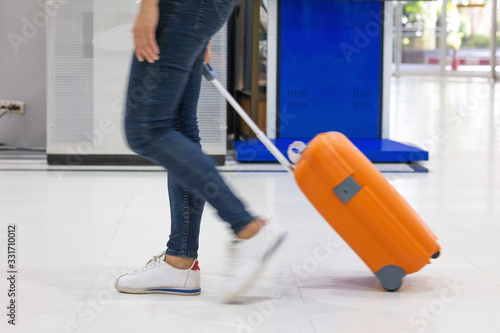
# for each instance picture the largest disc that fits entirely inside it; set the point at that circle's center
(79, 230)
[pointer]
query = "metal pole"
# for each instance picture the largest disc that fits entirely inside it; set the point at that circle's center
(494, 27)
(398, 49)
(254, 93)
(272, 67)
(387, 67)
(443, 35)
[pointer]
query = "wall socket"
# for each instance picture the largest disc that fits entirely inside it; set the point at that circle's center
(12, 106)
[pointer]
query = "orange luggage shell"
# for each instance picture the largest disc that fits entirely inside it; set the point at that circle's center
(364, 209)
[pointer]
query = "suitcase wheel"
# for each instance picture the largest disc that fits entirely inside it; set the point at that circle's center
(436, 255)
(391, 277)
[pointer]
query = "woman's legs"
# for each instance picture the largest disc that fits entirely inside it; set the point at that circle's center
(161, 100)
(161, 125)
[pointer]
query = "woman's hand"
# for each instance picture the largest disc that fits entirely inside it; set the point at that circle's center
(146, 47)
(208, 53)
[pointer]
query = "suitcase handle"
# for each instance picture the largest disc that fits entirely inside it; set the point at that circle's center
(211, 75)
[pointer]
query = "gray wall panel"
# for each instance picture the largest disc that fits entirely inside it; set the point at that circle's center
(23, 72)
(90, 48)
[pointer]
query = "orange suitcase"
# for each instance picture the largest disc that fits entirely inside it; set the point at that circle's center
(357, 201)
(364, 209)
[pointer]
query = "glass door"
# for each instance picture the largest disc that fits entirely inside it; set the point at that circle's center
(417, 31)
(469, 36)
(446, 37)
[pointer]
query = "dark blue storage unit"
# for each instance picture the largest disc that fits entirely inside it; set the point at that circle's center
(330, 78)
(323, 85)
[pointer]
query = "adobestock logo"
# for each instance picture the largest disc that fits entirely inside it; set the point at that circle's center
(31, 28)
(363, 37)
(262, 311)
(427, 314)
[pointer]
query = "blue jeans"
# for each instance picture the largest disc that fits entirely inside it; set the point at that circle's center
(161, 123)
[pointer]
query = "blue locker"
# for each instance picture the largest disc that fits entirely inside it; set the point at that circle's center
(330, 68)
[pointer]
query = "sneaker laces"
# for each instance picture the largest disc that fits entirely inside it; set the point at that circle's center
(156, 260)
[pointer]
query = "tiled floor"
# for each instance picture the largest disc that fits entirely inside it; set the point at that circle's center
(78, 230)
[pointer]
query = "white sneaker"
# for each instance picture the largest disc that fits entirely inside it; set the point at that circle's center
(247, 258)
(158, 277)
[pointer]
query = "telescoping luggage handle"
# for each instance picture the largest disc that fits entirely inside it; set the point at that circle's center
(211, 75)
